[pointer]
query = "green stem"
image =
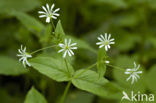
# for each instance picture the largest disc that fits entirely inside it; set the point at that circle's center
(67, 65)
(65, 92)
(116, 67)
(42, 49)
(53, 24)
(86, 70)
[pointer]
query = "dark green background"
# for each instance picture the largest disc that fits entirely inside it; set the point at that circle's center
(131, 22)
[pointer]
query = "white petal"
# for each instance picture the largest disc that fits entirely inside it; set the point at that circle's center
(139, 72)
(41, 16)
(48, 19)
(137, 75)
(42, 12)
(111, 39)
(98, 43)
(107, 62)
(29, 56)
(60, 50)
(101, 46)
(102, 37)
(73, 44)
(55, 14)
(54, 17)
(106, 48)
(28, 63)
(69, 42)
(21, 47)
(129, 77)
(128, 70)
(132, 80)
(106, 36)
(138, 67)
(64, 55)
(47, 6)
(69, 54)
(112, 43)
(127, 73)
(57, 10)
(20, 51)
(74, 48)
(21, 58)
(65, 41)
(44, 9)
(99, 38)
(109, 36)
(134, 64)
(19, 55)
(52, 6)
(61, 45)
(24, 63)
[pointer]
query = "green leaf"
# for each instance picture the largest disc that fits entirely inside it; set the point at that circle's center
(101, 66)
(29, 22)
(59, 29)
(18, 5)
(9, 66)
(34, 96)
(82, 44)
(59, 33)
(90, 81)
(150, 79)
(53, 68)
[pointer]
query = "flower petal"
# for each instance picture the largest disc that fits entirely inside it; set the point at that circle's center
(48, 19)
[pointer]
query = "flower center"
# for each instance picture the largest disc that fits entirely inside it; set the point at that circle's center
(106, 42)
(67, 47)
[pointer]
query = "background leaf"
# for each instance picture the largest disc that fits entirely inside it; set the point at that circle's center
(11, 66)
(18, 5)
(150, 78)
(34, 96)
(29, 22)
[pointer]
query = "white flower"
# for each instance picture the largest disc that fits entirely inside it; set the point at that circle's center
(133, 73)
(24, 55)
(106, 61)
(67, 48)
(104, 41)
(49, 12)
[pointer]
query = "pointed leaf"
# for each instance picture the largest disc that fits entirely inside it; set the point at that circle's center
(34, 96)
(53, 68)
(59, 33)
(89, 81)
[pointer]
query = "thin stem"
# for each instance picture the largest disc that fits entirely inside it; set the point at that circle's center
(53, 24)
(86, 70)
(116, 67)
(67, 65)
(65, 92)
(42, 49)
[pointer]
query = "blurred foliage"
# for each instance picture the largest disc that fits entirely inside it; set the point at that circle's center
(131, 22)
